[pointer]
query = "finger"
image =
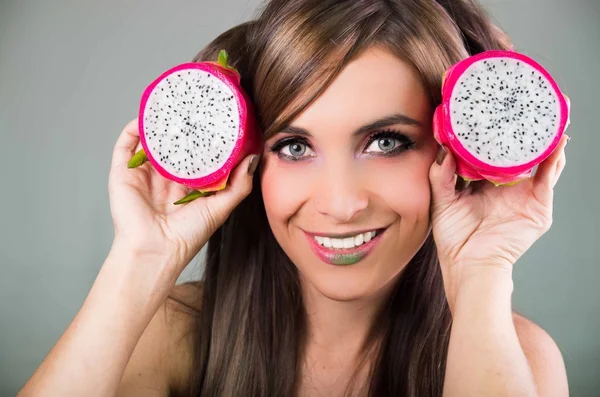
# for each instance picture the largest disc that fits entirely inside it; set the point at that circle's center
(546, 174)
(216, 208)
(443, 179)
(560, 166)
(238, 187)
(126, 145)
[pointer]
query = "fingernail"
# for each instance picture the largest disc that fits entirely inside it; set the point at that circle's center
(253, 165)
(441, 155)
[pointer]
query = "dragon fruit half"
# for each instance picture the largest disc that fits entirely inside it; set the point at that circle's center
(196, 124)
(501, 115)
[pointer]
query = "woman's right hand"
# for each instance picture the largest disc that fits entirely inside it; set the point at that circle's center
(146, 221)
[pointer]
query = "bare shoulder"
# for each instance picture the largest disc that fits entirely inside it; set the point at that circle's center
(182, 309)
(161, 363)
(544, 356)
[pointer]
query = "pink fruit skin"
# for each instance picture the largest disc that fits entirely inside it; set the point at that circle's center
(468, 166)
(249, 137)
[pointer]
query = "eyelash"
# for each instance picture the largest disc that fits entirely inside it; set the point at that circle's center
(405, 144)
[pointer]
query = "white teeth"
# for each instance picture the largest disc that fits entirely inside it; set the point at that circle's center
(347, 242)
(358, 240)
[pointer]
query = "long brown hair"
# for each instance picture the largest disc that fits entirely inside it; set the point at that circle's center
(251, 329)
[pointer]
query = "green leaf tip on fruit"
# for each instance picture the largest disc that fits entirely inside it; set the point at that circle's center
(223, 56)
(138, 159)
(223, 61)
(193, 195)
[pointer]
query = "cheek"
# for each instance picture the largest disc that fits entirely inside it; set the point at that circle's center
(404, 187)
(284, 188)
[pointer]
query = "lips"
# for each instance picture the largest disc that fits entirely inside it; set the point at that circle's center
(343, 256)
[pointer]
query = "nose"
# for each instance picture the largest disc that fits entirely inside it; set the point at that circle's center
(340, 194)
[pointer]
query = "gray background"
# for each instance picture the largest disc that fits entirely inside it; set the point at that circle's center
(71, 75)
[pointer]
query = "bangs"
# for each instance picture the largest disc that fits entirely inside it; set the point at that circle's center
(304, 53)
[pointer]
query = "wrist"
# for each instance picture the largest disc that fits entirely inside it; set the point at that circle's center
(485, 288)
(148, 278)
(485, 273)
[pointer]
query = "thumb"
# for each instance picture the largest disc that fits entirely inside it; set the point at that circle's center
(213, 210)
(442, 178)
(238, 187)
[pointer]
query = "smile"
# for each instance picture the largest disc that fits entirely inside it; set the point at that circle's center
(344, 249)
(346, 242)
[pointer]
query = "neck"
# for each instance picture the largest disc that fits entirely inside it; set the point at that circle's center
(341, 328)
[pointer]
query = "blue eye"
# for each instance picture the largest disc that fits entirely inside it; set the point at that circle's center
(388, 142)
(293, 148)
(383, 145)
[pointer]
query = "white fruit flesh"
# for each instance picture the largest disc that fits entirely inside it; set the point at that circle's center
(191, 123)
(504, 111)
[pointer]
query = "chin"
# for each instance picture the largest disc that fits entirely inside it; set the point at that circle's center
(346, 284)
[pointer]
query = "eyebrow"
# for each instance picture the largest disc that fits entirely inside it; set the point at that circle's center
(397, 118)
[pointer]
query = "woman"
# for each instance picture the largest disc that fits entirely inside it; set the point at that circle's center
(344, 92)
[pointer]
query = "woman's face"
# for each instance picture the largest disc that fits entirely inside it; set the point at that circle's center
(329, 183)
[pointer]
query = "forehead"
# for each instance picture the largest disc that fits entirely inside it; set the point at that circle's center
(375, 84)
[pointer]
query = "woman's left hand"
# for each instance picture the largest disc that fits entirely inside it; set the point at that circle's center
(486, 226)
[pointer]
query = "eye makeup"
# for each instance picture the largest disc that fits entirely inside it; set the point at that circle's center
(401, 142)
